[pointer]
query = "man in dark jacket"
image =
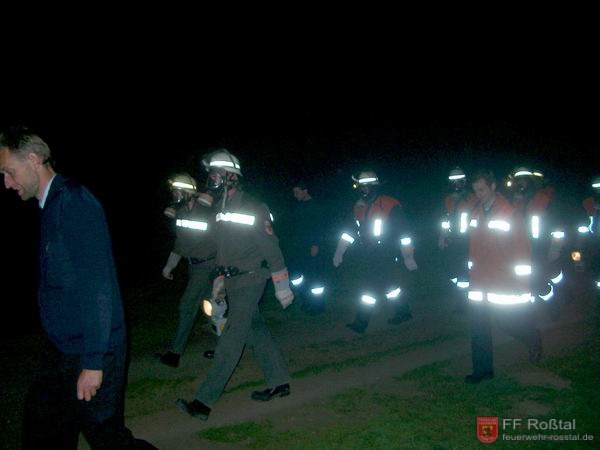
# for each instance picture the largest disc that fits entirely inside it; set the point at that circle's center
(80, 385)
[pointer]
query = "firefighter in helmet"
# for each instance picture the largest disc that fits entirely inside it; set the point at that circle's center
(382, 249)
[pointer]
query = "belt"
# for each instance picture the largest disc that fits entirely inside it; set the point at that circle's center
(230, 271)
(199, 261)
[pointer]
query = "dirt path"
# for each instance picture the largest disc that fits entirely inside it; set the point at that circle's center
(170, 429)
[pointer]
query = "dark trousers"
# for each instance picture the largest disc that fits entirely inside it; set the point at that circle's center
(54, 416)
(516, 320)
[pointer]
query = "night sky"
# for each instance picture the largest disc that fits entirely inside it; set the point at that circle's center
(124, 143)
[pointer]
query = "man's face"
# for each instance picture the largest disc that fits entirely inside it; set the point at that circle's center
(483, 191)
(299, 193)
(20, 174)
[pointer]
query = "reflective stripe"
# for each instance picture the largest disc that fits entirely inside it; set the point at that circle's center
(224, 164)
(271, 216)
(591, 226)
(446, 224)
(521, 173)
(549, 295)
(393, 294)
(523, 269)
(377, 227)
(509, 299)
(193, 224)
(539, 174)
(347, 238)
(476, 296)
(558, 234)
(368, 300)
(406, 241)
(358, 224)
(558, 278)
(583, 229)
(535, 227)
(366, 180)
(298, 281)
(596, 185)
(454, 280)
(499, 225)
(463, 222)
(473, 223)
(317, 290)
(179, 184)
(463, 284)
(598, 284)
(457, 177)
(469, 265)
(244, 219)
(207, 307)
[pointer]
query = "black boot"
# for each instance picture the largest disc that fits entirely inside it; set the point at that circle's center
(169, 359)
(264, 396)
(194, 408)
(476, 378)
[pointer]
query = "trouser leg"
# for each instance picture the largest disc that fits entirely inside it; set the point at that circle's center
(197, 289)
(243, 303)
(482, 351)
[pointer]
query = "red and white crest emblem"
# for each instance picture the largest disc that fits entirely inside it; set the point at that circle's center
(487, 429)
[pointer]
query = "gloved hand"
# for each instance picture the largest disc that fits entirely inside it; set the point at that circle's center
(283, 292)
(338, 256)
(218, 290)
(408, 253)
(172, 262)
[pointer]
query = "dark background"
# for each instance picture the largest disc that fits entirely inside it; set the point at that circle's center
(124, 142)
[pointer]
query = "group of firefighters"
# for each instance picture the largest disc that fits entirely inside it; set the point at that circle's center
(502, 253)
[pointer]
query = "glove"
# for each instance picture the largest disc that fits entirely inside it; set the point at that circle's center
(338, 257)
(172, 262)
(218, 290)
(283, 292)
(408, 253)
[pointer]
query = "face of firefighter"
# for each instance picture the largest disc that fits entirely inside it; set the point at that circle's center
(523, 186)
(217, 179)
(458, 185)
(484, 192)
(367, 192)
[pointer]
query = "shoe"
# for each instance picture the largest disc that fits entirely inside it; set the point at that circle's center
(476, 379)
(168, 359)
(264, 396)
(356, 327)
(209, 354)
(399, 318)
(194, 408)
(535, 353)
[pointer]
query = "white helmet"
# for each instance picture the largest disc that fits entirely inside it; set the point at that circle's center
(366, 178)
(522, 172)
(222, 159)
(457, 174)
(183, 182)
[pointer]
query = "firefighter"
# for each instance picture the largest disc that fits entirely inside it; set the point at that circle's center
(380, 236)
(589, 232)
(195, 241)
(248, 255)
(307, 262)
(453, 239)
(500, 268)
(534, 200)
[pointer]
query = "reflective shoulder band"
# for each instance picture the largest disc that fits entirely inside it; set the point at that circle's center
(446, 224)
(499, 225)
(523, 269)
(509, 299)
(463, 284)
(473, 223)
(406, 241)
(368, 300)
(346, 237)
(583, 229)
(193, 224)
(393, 294)
(558, 234)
